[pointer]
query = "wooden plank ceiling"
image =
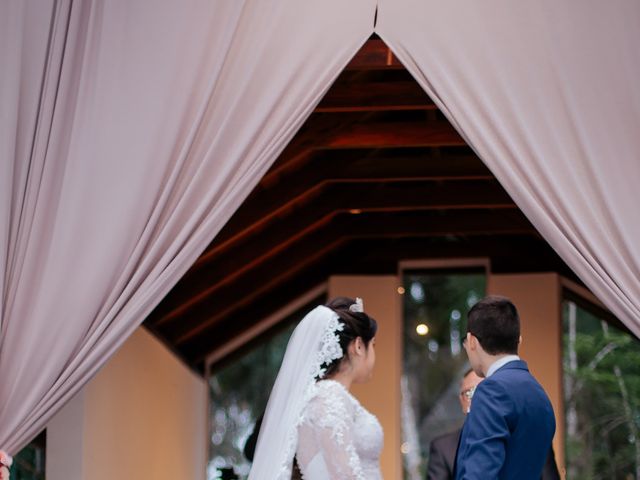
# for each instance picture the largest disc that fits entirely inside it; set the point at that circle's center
(376, 175)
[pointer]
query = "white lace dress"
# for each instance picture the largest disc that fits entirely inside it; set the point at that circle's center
(338, 439)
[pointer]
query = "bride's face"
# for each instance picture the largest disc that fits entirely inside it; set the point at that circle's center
(365, 360)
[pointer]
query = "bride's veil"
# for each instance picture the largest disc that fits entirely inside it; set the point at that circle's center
(313, 343)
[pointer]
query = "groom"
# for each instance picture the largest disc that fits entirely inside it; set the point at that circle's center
(508, 432)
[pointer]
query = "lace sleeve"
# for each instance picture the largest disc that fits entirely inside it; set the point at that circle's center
(325, 443)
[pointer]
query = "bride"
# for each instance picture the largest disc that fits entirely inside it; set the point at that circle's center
(311, 414)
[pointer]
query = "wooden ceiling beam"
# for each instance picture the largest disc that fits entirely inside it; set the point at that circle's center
(199, 347)
(376, 223)
(232, 351)
(375, 97)
(508, 253)
(208, 310)
(374, 54)
(315, 132)
(396, 134)
(326, 170)
(240, 266)
(373, 163)
(365, 130)
(344, 196)
(403, 196)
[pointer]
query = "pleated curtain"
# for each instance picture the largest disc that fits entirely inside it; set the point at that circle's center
(547, 94)
(130, 131)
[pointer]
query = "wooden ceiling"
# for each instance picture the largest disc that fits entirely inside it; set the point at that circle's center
(376, 175)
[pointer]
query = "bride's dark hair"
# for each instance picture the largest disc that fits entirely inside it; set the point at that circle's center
(356, 324)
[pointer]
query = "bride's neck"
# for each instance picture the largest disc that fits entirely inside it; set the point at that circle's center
(344, 378)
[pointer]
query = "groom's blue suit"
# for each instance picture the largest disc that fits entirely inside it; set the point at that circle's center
(508, 433)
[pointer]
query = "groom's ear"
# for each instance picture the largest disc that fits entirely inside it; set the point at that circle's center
(473, 341)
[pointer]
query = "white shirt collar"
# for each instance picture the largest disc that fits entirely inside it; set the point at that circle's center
(500, 363)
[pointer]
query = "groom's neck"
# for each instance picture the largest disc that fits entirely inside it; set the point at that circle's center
(491, 359)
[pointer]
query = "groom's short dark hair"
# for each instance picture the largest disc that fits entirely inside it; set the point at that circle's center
(494, 321)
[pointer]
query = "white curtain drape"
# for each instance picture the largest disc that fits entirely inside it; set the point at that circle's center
(130, 131)
(547, 94)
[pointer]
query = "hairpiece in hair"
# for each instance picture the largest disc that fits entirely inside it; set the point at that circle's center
(357, 307)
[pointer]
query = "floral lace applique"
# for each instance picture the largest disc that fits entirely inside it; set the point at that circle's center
(327, 429)
(330, 348)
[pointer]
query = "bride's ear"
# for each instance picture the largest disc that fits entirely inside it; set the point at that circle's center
(358, 346)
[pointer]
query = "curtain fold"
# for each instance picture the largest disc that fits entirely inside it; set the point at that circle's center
(130, 133)
(546, 94)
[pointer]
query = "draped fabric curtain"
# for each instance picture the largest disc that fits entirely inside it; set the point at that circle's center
(130, 131)
(547, 94)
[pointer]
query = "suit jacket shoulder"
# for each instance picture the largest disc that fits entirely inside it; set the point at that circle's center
(508, 432)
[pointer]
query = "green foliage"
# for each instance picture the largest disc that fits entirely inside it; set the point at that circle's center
(28, 464)
(604, 394)
(238, 396)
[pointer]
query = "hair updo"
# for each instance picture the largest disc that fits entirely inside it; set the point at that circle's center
(356, 324)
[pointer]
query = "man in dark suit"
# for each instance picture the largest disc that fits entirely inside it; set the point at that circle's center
(442, 456)
(442, 452)
(508, 432)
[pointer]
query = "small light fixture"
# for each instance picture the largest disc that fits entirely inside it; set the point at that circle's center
(401, 290)
(422, 329)
(355, 211)
(405, 448)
